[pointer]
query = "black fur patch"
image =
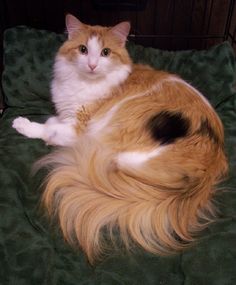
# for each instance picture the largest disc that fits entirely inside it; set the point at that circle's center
(167, 126)
(206, 130)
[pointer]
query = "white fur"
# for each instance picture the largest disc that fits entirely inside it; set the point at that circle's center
(53, 131)
(136, 158)
(29, 129)
(94, 52)
(71, 90)
(74, 85)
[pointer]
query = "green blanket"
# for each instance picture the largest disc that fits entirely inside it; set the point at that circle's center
(32, 250)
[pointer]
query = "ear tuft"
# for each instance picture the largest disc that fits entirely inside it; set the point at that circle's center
(72, 24)
(122, 30)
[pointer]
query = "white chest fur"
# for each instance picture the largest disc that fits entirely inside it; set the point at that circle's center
(70, 90)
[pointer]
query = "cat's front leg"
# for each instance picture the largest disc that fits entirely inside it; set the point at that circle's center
(27, 128)
(53, 132)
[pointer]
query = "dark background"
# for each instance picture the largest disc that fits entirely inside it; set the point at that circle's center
(165, 24)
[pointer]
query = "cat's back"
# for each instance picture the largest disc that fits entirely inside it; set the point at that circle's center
(163, 88)
(144, 77)
(149, 93)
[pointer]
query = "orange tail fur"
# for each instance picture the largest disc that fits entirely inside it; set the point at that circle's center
(90, 193)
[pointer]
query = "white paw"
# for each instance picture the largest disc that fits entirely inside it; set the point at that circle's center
(21, 124)
(27, 128)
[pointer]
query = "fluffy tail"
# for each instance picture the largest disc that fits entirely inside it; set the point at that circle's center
(94, 199)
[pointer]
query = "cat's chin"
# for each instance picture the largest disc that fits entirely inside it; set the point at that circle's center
(92, 75)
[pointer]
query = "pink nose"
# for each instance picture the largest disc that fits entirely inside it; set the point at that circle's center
(92, 66)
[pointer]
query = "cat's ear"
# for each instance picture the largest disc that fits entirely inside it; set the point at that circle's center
(121, 30)
(73, 25)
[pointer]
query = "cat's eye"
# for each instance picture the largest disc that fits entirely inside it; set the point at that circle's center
(105, 52)
(83, 49)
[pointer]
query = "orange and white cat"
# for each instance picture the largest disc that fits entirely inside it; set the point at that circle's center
(143, 151)
(83, 73)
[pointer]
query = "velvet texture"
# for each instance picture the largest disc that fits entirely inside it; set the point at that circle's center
(32, 250)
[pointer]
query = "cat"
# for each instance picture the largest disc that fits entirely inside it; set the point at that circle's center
(143, 149)
(73, 86)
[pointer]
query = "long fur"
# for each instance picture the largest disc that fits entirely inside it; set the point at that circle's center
(90, 194)
(144, 167)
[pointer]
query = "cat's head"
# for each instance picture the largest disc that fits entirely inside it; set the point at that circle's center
(96, 51)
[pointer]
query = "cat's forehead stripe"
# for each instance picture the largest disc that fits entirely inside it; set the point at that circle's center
(94, 44)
